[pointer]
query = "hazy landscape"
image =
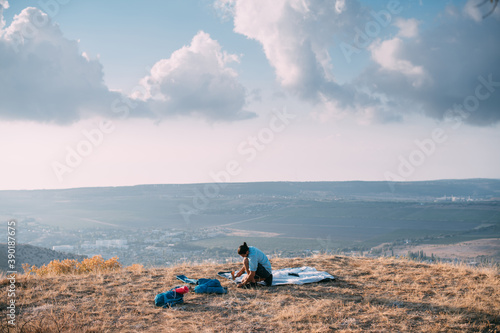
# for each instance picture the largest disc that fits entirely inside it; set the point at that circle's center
(142, 141)
(159, 225)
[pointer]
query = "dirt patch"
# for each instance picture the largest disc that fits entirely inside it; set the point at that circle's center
(251, 233)
(465, 250)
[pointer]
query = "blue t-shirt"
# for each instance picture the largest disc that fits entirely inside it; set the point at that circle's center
(256, 257)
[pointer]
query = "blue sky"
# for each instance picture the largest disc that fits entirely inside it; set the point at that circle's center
(113, 93)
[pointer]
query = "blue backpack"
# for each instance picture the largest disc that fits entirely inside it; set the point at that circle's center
(169, 298)
(209, 286)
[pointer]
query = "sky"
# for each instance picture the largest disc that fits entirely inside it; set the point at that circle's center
(115, 93)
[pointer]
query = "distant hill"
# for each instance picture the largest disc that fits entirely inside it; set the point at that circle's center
(432, 188)
(204, 205)
(33, 255)
(302, 217)
(368, 295)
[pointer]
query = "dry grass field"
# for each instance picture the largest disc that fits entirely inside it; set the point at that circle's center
(368, 295)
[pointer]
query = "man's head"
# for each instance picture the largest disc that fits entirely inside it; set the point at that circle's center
(243, 250)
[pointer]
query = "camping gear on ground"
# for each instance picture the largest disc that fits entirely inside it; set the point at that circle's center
(170, 298)
(297, 275)
(182, 290)
(204, 286)
(209, 286)
(184, 278)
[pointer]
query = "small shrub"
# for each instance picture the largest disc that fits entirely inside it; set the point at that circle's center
(96, 264)
(135, 268)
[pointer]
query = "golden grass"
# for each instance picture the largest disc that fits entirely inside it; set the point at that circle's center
(96, 264)
(372, 295)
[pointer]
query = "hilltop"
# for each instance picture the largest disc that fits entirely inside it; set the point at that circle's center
(373, 295)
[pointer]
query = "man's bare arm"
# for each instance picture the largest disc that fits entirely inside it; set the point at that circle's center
(248, 278)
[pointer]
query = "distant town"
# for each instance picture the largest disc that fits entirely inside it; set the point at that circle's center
(146, 224)
(167, 247)
(150, 247)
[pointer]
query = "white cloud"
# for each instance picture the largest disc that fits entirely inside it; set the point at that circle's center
(3, 5)
(386, 54)
(196, 79)
(44, 77)
(407, 28)
(296, 37)
(472, 10)
(281, 27)
(426, 70)
(339, 6)
(439, 68)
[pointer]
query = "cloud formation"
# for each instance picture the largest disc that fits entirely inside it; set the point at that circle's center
(44, 77)
(414, 71)
(296, 36)
(196, 80)
(433, 71)
(4, 4)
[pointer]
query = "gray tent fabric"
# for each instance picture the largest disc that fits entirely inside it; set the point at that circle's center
(297, 275)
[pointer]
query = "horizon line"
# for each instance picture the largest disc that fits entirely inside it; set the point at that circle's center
(256, 182)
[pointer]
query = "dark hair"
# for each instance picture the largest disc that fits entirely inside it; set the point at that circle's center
(243, 248)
